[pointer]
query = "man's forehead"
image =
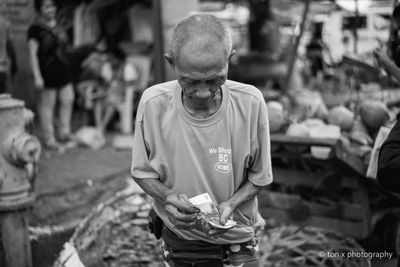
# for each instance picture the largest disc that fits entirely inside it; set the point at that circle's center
(202, 55)
(203, 67)
(203, 45)
(194, 75)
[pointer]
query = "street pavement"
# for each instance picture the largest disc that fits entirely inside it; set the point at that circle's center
(72, 174)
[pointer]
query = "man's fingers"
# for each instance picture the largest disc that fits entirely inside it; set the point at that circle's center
(184, 198)
(180, 203)
(226, 211)
(177, 215)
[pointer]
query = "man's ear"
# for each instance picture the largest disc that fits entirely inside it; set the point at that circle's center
(233, 52)
(169, 59)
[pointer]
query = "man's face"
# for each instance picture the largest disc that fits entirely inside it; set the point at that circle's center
(201, 73)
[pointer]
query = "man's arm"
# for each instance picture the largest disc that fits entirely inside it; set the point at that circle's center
(154, 188)
(246, 192)
(180, 211)
(259, 172)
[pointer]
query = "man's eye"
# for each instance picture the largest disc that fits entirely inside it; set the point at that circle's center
(215, 81)
(188, 81)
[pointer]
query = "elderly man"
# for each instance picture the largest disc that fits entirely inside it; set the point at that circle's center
(202, 134)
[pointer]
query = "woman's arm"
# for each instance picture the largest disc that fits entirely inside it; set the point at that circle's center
(37, 75)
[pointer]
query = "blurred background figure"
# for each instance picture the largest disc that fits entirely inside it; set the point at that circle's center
(394, 39)
(51, 73)
(120, 77)
(8, 60)
(315, 49)
(107, 86)
(91, 87)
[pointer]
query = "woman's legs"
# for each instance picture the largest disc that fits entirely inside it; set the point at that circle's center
(125, 110)
(66, 102)
(98, 107)
(46, 104)
(108, 114)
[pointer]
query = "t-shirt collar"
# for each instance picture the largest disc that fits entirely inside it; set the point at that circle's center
(201, 122)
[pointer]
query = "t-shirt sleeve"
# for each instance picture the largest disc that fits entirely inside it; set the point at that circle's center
(33, 33)
(260, 170)
(141, 166)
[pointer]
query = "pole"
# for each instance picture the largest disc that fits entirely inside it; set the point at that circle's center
(3, 34)
(293, 57)
(391, 29)
(355, 33)
(3, 48)
(159, 70)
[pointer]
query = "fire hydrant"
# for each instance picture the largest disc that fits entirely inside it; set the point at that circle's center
(19, 153)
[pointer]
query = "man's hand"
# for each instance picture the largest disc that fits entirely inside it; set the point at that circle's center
(204, 226)
(180, 211)
(226, 209)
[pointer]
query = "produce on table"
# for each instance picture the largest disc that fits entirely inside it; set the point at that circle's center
(374, 114)
(275, 105)
(276, 116)
(342, 117)
(359, 133)
(323, 131)
(297, 130)
(308, 104)
(311, 122)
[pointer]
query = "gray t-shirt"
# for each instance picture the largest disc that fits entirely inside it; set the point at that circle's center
(214, 155)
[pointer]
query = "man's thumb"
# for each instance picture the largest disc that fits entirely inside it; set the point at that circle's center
(224, 216)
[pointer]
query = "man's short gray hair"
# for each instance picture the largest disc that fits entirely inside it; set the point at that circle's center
(199, 25)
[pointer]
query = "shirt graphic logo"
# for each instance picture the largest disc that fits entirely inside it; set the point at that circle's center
(223, 165)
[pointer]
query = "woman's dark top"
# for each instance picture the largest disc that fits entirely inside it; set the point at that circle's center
(389, 160)
(53, 62)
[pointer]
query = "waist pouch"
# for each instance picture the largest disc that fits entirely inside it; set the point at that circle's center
(192, 252)
(155, 224)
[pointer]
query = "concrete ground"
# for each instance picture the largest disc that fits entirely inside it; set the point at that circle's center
(68, 187)
(73, 171)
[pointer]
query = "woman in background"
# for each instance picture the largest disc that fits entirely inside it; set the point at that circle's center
(47, 43)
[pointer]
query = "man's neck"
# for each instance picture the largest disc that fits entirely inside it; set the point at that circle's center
(203, 112)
